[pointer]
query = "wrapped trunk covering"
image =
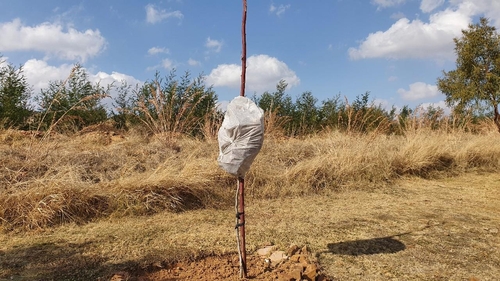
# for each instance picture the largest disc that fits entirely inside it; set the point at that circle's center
(240, 136)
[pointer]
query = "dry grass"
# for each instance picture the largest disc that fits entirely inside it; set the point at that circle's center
(445, 229)
(59, 179)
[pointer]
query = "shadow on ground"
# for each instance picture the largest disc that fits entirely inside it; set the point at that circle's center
(61, 261)
(383, 245)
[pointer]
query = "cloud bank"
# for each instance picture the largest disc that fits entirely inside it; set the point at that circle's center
(263, 73)
(425, 39)
(52, 39)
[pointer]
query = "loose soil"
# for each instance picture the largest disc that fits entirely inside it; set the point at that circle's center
(222, 268)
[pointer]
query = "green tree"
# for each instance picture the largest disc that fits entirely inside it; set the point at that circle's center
(330, 112)
(14, 96)
(124, 105)
(307, 113)
(278, 101)
(363, 115)
(279, 108)
(72, 104)
(475, 84)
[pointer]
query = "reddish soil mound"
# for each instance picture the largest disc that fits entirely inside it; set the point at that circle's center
(297, 267)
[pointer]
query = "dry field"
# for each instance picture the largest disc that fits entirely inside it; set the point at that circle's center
(370, 207)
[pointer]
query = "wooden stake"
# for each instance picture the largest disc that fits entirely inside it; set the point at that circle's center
(240, 226)
(240, 191)
(244, 49)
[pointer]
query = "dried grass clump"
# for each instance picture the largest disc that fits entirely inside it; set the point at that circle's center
(58, 179)
(43, 206)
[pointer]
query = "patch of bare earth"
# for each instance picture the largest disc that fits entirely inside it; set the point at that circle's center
(294, 264)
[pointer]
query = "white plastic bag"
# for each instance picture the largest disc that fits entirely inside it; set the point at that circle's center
(240, 136)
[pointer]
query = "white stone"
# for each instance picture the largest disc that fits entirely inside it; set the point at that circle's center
(264, 252)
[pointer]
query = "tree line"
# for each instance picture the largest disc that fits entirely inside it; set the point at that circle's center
(185, 105)
(177, 105)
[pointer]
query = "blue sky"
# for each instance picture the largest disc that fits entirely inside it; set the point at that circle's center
(395, 49)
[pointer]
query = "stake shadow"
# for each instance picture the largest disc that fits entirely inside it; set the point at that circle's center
(381, 245)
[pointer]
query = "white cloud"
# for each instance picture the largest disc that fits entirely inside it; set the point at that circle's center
(167, 64)
(440, 104)
(432, 39)
(154, 15)
(415, 39)
(193, 62)
(214, 45)
(51, 39)
(489, 8)
(419, 90)
(387, 3)
(384, 104)
(280, 10)
(428, 6)
(158, 50)
(39, 73)
(115, 78)
(263, 73)
(392, 78)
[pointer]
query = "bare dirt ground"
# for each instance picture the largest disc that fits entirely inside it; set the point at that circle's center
(446, 229)
(227, 268)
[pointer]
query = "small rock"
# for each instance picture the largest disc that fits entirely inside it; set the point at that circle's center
(494, 230)
(292, 250)
(296, 271)
(300, 258)
(277, 257)
(304, 251)
(264, 252)
(310, 272)
(286, 277)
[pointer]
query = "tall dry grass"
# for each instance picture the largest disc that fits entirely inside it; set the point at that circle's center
(100, 173)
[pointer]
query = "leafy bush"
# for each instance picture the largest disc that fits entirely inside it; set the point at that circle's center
(14, 96)
(72, 104)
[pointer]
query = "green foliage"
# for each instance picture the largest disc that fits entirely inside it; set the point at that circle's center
(278, 101)
(307, 114)
(72, 104)
(14, 96)
(124, 104)
(363, 116)
(304, 116)
(171, 106)
(474, 86)
(331, 112)
(279, 108)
